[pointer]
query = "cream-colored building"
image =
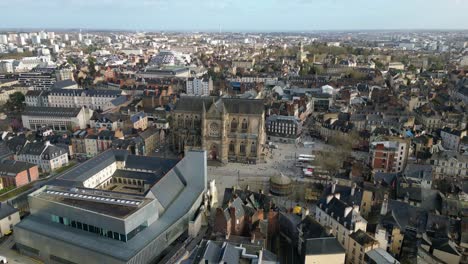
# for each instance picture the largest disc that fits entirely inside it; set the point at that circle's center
(342, 219)
(324, 251)
(9, 216)
(59, 119)
(359, 244)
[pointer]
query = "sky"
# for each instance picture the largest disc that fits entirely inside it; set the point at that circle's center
(235, 15)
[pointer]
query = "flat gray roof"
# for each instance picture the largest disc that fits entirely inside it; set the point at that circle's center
(192, 168)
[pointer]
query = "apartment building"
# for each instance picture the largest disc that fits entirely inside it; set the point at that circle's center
(77, 98)
(359, 244)
(389, 156)
(200, 87)
(47, 156)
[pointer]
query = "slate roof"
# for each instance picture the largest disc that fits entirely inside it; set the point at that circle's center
(51, 111)
(231, 105)
(381, 256)
(405, 216)
(46, 151)
(362, 238)
(345, 194)
(6, 210)
(323, 246)
(63, 84)
(13, 167)
(418, 171)
(312, 229)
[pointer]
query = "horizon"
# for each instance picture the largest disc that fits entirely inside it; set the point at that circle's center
(237, 16)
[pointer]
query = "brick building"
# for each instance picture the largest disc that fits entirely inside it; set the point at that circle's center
(18, 173)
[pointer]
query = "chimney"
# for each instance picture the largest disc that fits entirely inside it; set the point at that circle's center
(384, 208)
(333, 189)
(348, 210)
(305, 213)
(247, 188)
(353, 189)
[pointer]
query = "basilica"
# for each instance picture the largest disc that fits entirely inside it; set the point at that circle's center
(229, 129)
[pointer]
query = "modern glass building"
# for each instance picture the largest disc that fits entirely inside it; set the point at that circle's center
(114, 208)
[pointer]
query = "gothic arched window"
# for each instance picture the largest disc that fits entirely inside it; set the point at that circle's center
(232, 147)
(244, 125)
(214, 130)
(234, 125)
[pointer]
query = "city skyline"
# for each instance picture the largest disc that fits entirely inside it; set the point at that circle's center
(241, 16)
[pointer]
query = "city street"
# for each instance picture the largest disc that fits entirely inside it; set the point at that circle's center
(256, 176)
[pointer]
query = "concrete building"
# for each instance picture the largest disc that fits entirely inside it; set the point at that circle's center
(57, 118)
(17, 173)
(3, 39)
(451, 138)
(114, 208)
(389, 156)
(37, 80)
(449, 164)
(199, 87)
(231, 130)
(64, 74)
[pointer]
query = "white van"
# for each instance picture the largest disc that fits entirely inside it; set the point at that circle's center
(3, 260)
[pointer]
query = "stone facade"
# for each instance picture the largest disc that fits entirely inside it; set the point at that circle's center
(230, 130)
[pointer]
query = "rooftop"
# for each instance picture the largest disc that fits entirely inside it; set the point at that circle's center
(13, 167)
(109, 203)
(51, 111)
(323, 246)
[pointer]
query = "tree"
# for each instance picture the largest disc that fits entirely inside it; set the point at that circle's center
(16, 101)
(92, 66)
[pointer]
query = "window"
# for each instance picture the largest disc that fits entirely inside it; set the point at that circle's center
(234, 125)
(232, 147)
(242, 148)
(214, 130)
(244, 125)
(253, 149)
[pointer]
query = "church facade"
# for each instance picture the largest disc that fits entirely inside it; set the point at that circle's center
(229, 129)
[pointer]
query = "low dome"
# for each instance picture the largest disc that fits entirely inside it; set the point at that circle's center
(281, 179)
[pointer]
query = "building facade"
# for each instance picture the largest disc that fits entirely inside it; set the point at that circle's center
(57, 118)
(231, 130)
(389, 156)
(285, 129)
(77, 98)
(114, 208)
(17, 173)
(200, 87)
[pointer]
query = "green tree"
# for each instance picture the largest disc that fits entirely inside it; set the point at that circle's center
(16, 101)
(92, 66)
